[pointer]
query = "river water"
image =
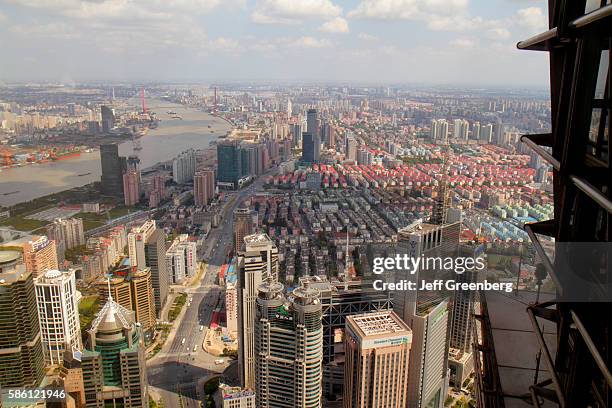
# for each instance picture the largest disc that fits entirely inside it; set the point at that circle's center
(171, 137)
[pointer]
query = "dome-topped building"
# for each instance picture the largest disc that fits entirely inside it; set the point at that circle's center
(113, 362)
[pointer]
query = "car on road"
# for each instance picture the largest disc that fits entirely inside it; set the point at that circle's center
(201, 328)
(183, 341)
(195, 348)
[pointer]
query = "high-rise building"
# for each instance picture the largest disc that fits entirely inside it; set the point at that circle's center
(108, 118)
(203, 187)
(21, 354)
(288, 347)
(461, 129)
(426, 313)
(340, 299)
(131, 188)
(296, 134)
(40, 255)
(311, 148)
(155, 254)
(58, 314)
(439, 130)
(181, 259)
(134, 291)
(113, 167)
(377, 348)
(113, 362)
(147, 248)
(184, 167)
(312, 124)
(231, 307)
(486, 133)
(257, 263)
(243, 226)
(351, 149)
(229, 163)
(67, 232)
(137, 239)
(476, 131)
(499, 132)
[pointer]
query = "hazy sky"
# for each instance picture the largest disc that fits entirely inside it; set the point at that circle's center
(376, 41)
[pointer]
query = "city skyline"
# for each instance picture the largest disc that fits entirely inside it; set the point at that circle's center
(460, 42)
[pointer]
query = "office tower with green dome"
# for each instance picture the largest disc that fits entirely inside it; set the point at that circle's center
(113, 361)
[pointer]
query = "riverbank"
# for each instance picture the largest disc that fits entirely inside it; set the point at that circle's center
(172, 136)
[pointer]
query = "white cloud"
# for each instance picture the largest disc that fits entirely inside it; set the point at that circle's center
(367, 37)
(310, 42)
(406, 9)
(336, 25)
(498, 33)
(462, 43)
(125, 9)
(453, 23)
(292, 11)
(532, 18)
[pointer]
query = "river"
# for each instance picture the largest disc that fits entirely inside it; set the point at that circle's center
(171, 137)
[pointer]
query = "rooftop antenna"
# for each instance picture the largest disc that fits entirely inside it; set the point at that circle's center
(108, 278)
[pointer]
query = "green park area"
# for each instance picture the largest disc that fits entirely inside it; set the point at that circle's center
(95, 220)
(20, 223)
(88, 307)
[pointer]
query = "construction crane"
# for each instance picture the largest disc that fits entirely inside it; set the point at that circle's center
(444, 198)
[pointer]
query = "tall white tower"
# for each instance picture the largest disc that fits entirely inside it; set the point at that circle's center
(56, 301)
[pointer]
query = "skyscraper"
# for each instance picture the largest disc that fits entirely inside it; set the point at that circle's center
(113, 167)
(184, 167)
(134, 291)
(351, 149)
(58, 314)
(288, 347)
(131, 188)
(312, 124)
(258, 263)
(229, 163)
(113, 362)
(243, 226)
(476, 131)
(203, 187)
(67, 232)
(426, 313)
(486, 133)
(155, 255)
(377, 348)
(340, 299)
(461, 129)
(108, 118)
(296, 134)
(21, 355)
(311, 148)
(181, 259)
(439, 130)
(40, 255)
(147, 248)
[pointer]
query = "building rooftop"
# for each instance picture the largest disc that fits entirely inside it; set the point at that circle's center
(386, 322)
(257, 239)
(9, 256)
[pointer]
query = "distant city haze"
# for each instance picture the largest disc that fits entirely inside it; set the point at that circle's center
(161, 144)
